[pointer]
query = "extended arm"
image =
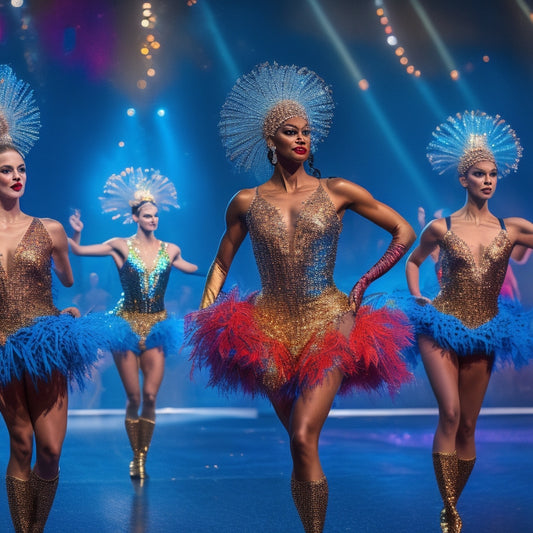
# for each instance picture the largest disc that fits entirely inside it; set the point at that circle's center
(180, 263)
(231, 240)
(115, 247)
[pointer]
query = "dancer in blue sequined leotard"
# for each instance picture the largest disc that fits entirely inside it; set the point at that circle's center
(144, 265)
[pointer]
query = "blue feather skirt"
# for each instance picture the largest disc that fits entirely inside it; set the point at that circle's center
(508, 336)
(64, 344)
(166, 334)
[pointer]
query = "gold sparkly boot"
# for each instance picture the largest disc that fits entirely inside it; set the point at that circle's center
(447, 474)
(464, 469)
(311, 501)
(43, 493)
(20, 503)
(132, 429)
(146, 430)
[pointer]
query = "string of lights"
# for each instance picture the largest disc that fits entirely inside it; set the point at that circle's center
(149, 46)
(392, 40)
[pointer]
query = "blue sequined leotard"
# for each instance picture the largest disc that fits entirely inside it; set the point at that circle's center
(142, 302)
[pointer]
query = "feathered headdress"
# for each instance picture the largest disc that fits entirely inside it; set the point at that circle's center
(265, 98)
(133, 187)
(474, 136)
(19, 115)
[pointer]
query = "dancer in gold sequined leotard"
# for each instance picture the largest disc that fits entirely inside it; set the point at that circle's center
(144, 265)
(463, 330)
(300, 339)
(41, 348)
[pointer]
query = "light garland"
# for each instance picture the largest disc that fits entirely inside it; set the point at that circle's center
(149, 45)
(392, 40)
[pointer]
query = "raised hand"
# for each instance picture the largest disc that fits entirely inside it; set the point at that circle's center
(75, 221)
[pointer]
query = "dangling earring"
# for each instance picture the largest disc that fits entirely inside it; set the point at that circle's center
(272, 156)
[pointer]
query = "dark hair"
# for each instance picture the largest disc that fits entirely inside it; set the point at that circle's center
(7, 147)
(135, 208)
(314, 171)
(270, 155)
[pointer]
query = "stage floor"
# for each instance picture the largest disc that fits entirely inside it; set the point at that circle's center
(227, 471)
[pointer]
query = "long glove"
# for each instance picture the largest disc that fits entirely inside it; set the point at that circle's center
(394, 253)
(213, 284)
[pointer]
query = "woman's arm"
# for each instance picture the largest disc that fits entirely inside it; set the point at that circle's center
(180, 263)
(114, 247)
(61, 263)
(429, 240)
(520, 232)
(235, 233)
(348, 195)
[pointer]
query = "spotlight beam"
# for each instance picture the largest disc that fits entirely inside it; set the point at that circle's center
(526, 9)
(220, 42)
(339, 46)
(392, 138)
(472, 101)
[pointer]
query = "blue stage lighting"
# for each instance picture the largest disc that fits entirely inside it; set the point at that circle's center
(130, 112)
(161, 112)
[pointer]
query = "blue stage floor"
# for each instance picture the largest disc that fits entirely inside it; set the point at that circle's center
(228, 472)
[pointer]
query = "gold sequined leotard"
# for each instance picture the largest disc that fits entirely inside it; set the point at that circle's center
(470, 291)
(142, 303)
(288, 337)
(298, 296)
(27, 292)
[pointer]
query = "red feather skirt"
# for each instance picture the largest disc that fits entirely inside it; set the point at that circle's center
(229, 340)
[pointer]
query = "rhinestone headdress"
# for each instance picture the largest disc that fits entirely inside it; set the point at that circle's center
(265, 98)
(132, 187)
(474, 136)
(19, 115)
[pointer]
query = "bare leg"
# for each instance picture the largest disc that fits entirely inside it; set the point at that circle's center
(48, 404)
(153, 369)
(309, 413)
(283, 409)
(474, 376)
(442, 369)
(309, 485)
(15, 411)
(128, 369)
(48, 409)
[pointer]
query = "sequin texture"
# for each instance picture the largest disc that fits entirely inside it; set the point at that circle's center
(470, 291)
(289, 336)
(298, 294)
(142, 302)
(27, 292)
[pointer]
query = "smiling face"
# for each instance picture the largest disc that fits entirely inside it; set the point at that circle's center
(147, 217)
(12, 174)
(292, 140)
(480, 180)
